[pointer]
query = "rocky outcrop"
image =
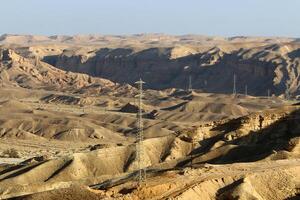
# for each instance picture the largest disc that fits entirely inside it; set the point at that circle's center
(260, 69)
(18, 71)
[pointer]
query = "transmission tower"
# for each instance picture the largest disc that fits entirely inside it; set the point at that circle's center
(246, 90)
(234, 85)
(205, 83)
(37, 60)
(190, 83)
(140, 135)
(269, 93)
(287, 94)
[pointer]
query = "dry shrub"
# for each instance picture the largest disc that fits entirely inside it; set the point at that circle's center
(10, 153)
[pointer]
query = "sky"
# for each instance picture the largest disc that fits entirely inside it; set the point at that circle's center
(177, 17)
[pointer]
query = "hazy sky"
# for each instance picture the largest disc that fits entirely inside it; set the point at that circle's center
(205, 17)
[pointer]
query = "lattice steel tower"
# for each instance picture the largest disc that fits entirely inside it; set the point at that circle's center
(190, 84)
(140, 154)
(37, 60)
(287, 94)
(234, 85)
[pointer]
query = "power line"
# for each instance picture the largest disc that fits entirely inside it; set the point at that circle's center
(140, 135)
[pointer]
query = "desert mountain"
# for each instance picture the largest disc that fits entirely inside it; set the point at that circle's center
(273, 67)
(135, 39)
(31, 73)
(164, 61)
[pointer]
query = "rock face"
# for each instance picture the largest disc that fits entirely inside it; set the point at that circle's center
(19, 71)
(163, 61)
(260, 69)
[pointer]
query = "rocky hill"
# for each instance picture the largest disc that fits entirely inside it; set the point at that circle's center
(163, 61)
(31, 73)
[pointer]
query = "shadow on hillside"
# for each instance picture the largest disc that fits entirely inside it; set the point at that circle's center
(161, 72)
(297, 197)
(254, 146)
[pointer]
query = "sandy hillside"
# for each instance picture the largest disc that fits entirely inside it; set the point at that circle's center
(256, 151)
(68, 117)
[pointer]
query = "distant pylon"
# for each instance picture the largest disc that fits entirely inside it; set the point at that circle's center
(234, 85)
(205, 83)
(269, 93)
(190, 84)
(287, 94)
(37, 60)
(246, 90)
(140, 135)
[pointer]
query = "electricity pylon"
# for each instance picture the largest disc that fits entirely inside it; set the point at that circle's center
(36, 60)
(140, 135)
(287, 94)
(190, 83)
(246, 90)
(234, 85)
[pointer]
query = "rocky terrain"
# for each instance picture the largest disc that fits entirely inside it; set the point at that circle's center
(165, 61)
(183, 159)
(68, 119)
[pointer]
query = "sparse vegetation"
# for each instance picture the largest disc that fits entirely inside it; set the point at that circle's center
(10, 153)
